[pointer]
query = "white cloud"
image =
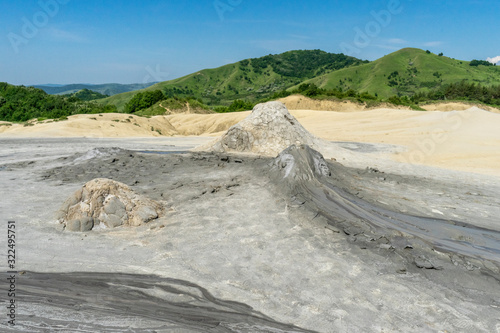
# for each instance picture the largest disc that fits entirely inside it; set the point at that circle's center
(494, 60)
(392, 44)
(397, 41)
(63, 35)
(387, 47)
(434, 43)
(299, 36)
(280, 45)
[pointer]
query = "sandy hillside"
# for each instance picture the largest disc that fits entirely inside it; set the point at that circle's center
(463, 140)
(205, 124)
(456, 106)
(299, 102)
(93, 125)
(117, 125)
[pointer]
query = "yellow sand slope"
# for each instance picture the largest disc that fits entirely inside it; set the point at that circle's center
(105, 125)
(462, 140)
(299, 102)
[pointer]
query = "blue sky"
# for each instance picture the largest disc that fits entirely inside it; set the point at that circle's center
(77, 41)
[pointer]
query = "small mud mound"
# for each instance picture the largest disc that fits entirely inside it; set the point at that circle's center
(106, 203)
(301, 163)
(309, 180)
(268, 130)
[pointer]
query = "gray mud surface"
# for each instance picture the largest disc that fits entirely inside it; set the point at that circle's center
(249, 244)
(150, 303)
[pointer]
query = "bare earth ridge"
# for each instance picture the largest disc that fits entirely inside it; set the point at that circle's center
(340, 237)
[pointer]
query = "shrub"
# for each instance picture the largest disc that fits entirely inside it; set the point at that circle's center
(476, 63)
(237, 105)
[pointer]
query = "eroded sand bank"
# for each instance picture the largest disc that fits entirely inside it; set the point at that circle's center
(466, 140)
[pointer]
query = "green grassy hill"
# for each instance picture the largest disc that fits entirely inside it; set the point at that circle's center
(250, 79)
(405, 72)
(173, 106)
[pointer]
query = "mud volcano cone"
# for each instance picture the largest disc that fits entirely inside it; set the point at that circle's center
(300, 163)
(268, 130)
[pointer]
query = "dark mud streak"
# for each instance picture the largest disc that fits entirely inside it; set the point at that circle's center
(150, 299)
(332, 195)
(326, 195)
(437, 231)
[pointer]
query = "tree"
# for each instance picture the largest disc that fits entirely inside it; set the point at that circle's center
(309, 90)
(240, 105)
(19, 103)
(87, 95)
(144, 100)
(480, 62)
(237, 105)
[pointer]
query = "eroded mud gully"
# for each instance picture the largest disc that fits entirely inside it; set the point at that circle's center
(114, 302)
(247, 244)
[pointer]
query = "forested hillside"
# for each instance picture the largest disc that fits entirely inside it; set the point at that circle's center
(19, 103)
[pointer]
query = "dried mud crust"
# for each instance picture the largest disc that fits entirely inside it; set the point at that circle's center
(161, 177)
(372, 208)
(235, 226)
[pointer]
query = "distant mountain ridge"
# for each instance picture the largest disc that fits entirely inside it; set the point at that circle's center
(51, 85)
(249, 79)
(109, 89)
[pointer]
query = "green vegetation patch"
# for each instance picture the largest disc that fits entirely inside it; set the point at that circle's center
(407, 72)
(86, 95)
(20, 103)
(143, 100)
(174, 105)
